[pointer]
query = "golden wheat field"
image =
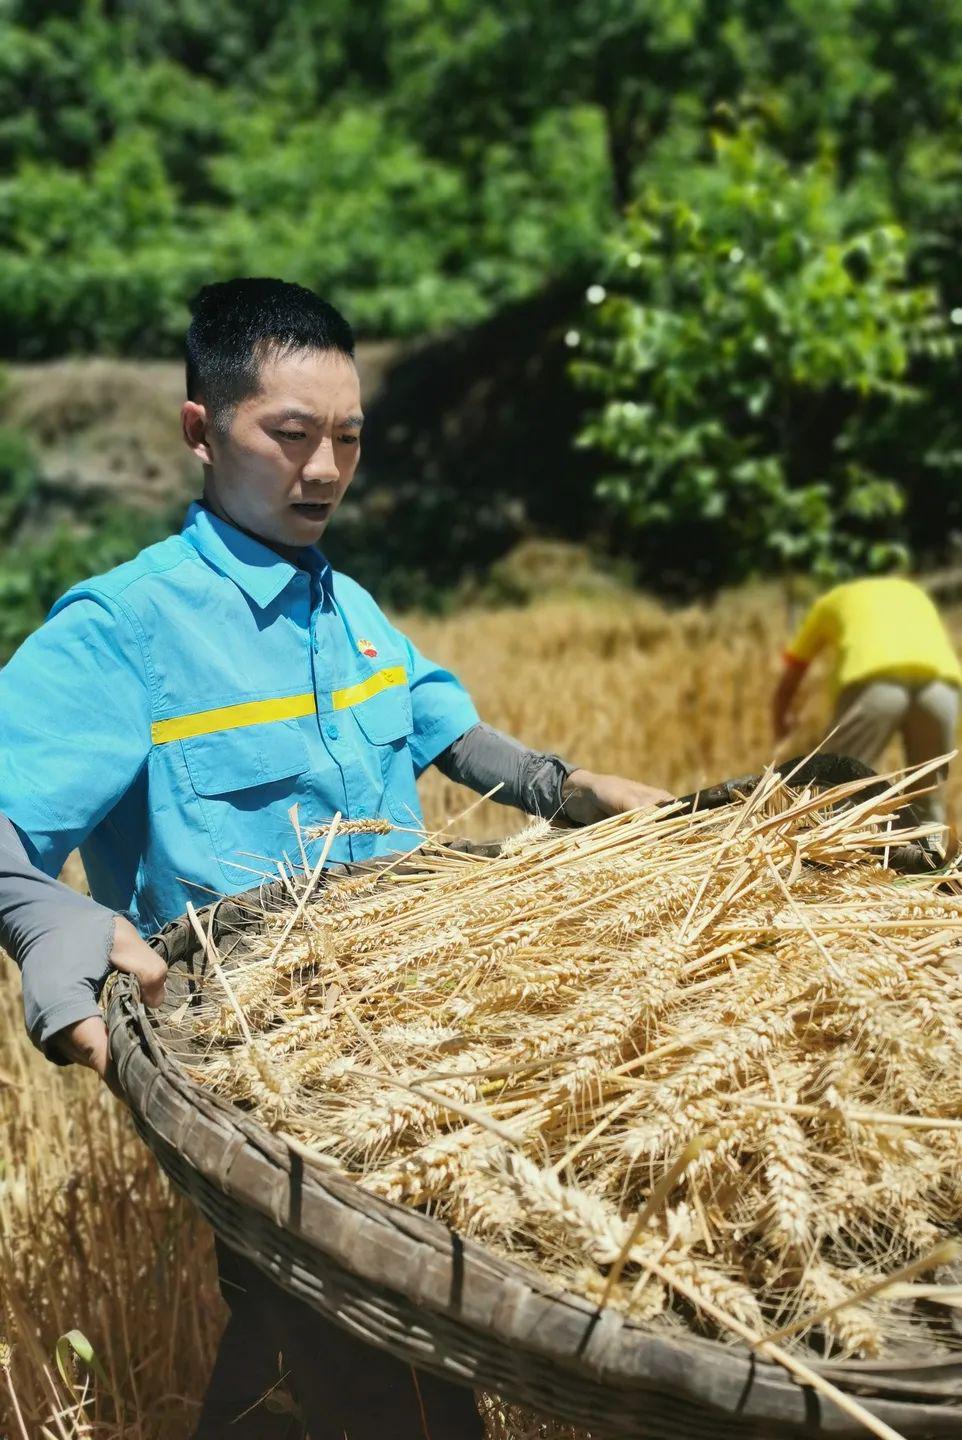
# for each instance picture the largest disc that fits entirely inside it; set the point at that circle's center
(93, 1245)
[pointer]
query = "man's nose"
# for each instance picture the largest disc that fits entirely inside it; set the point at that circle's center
(322, 467)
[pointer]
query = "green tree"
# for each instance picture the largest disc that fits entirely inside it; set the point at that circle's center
(467, 75)
(18, 477)
(742, 351)
(346, 205)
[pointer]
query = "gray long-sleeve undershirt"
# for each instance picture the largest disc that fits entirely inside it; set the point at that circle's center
(61, 940)
(530, 779)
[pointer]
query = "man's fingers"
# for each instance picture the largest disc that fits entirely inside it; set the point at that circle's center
(655, 796)
(135, 957)
(620, 795)
(590, 797)
(85, 1044)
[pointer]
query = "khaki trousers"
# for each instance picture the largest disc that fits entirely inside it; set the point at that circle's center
(925, 715)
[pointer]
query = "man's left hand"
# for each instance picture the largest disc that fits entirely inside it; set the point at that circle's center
(589, 797)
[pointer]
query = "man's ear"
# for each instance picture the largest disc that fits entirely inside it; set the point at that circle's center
(194, 424)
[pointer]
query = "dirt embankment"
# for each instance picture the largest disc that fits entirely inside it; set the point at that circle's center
(106, 425)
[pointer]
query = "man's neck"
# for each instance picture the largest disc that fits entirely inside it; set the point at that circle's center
(293, 555)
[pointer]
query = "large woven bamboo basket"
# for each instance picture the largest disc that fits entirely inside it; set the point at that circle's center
(409, 1284)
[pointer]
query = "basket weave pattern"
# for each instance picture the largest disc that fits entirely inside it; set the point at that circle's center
(407, 1283)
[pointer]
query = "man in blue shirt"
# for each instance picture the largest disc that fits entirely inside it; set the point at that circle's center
(168, 715)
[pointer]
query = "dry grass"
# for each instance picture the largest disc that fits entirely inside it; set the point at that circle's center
(678, 698)
(92, 1238)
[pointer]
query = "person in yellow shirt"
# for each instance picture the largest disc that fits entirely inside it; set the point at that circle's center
(894, 670)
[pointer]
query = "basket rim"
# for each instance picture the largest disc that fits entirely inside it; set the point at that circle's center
(531, 1312)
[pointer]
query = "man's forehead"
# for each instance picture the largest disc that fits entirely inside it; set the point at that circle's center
(297, 368)
(310, 385)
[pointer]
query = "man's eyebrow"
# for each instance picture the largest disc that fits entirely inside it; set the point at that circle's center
(293, 414)
(352, 422)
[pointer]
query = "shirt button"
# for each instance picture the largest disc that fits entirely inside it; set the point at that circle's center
(333, 732)
(360, 811)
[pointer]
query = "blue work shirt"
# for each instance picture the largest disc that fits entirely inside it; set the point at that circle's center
(168, 714)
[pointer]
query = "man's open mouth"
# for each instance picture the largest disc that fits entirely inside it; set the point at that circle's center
(313, 509)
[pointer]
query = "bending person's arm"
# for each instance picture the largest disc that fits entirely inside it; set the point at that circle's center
(783, 700)
(817, 630)
(538, 782)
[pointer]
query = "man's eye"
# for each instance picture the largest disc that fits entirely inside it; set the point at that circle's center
(292, 434)
(347, 439)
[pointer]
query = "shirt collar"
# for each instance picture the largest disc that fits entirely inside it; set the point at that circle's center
(260, 572)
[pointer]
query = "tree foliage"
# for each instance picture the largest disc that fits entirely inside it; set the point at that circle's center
(427, 165)
(745, 348)
(421, 163)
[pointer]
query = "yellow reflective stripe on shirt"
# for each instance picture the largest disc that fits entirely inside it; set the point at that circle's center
(231, 717)
(259, 712)
(383, 680)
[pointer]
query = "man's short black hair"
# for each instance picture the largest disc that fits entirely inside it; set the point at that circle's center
(238, 324)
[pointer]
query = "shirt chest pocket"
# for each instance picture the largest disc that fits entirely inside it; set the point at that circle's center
(228, 763)
(386, 717)
(245, 780)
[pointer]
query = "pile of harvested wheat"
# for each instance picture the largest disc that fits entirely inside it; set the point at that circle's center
(706, 1069)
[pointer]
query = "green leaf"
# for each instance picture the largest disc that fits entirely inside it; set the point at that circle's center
(72, 1349)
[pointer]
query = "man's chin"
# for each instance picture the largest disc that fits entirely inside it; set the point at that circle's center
(305, 524)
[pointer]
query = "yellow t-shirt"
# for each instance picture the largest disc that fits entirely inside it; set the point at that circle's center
(883, 628)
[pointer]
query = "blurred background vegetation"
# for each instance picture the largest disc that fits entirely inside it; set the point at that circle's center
(675, 281)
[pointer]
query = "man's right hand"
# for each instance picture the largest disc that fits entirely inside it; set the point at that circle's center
(85, 1043)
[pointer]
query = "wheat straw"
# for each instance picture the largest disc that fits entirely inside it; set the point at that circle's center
(714, 1057)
